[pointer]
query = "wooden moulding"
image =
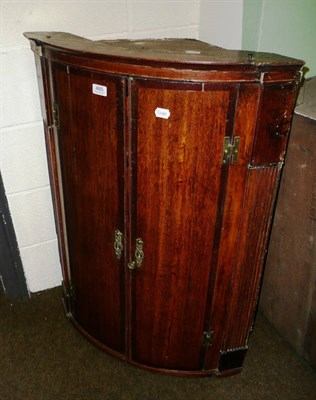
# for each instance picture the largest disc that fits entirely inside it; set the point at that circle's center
(227, 360)
(185, 59)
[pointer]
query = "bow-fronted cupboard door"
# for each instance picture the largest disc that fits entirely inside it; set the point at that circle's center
(178, 190)
(88, 119)
(165, 196)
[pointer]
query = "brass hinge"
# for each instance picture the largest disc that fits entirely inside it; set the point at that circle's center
(56, 115)
(207, 338)
(231, 148)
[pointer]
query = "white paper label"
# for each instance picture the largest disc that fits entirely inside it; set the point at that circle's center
(193, 52)
(99, 90)
(162, 113)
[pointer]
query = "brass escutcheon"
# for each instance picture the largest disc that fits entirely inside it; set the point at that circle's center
(118, 244)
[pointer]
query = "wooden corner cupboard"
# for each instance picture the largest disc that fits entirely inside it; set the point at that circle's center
(164, 159)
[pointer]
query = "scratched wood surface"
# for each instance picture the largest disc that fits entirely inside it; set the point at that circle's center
(163, 52)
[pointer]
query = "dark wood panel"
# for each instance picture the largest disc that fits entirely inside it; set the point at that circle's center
(281, 76)
(177, 192)
(91, 154)
(153, 72)
(258, 203)
(230, 222)
(274, 122)
(245, 228)
(245, 121)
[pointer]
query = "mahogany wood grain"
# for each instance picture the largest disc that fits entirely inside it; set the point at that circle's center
(91, 154)
(145, 71)
(177, 190)
(128, 192)
(274, 122)
(281, 76)
(232, 220)
(163, 371)
(251, 247)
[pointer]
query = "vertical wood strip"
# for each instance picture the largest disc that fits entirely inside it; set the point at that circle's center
(257, 214)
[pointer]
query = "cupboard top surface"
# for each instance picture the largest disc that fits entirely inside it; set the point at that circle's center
(170, 51)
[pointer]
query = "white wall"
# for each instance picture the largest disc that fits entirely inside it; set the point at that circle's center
(22, 153)
(282, 26)
(221, 22)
